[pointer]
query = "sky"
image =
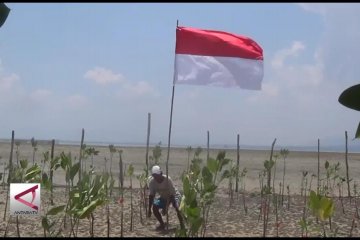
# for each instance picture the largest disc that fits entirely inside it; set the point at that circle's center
(105, 66)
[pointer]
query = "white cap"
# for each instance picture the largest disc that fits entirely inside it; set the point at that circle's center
(156, 170)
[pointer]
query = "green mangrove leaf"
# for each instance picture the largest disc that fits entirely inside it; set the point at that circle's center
(314, 202)
(193, 212)
(186, 187)
(207, 175)
(220, 155)
(24, 163)
(212, 164)
(196, 224)
(74, 170)
(130, 170)
(180, 233)
(32, 172)
(327, 164)
(56, 210)
(223, 163)
(86, 211)
(327, 208)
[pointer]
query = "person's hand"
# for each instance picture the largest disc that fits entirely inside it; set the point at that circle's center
(149, 213)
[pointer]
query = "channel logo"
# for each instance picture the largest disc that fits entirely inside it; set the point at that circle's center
(25, 198)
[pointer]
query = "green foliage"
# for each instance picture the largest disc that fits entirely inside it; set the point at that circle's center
(23, 163)
(198, 150)
(112, 149)
(33, 142)
(84, 198)
(22, 174)
(284, 152)
(156, 154)
(130, 170)
(321, 206)
(268, 164)
(56, 210)
(199, 188)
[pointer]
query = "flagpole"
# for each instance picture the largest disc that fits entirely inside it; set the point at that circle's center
(169, 137)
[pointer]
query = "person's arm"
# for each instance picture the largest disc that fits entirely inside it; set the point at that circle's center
(172, 193)
(173, 201)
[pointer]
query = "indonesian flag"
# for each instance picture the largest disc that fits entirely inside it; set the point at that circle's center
(215, 58)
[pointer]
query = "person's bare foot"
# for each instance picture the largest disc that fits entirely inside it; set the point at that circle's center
(161, 227)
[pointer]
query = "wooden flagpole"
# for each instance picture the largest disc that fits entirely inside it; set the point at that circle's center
(169, 137)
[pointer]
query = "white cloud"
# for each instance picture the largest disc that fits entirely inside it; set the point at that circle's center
(296, 75)
(339, 49)
(141, 88)
(287, 79)
(40, 95)
(126, 88)
(76, 101)
(313, 7)
(103, 76)
(280, 57)
(7, 82)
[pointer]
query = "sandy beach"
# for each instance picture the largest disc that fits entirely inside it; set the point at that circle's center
(224, 220)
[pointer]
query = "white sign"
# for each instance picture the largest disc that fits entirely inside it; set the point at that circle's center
(25, 198)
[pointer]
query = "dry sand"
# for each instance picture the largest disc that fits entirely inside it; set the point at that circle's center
(224, 220)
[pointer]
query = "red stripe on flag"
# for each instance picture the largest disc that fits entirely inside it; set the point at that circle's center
(216, 43)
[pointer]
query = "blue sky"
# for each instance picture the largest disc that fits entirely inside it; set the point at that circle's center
(104, 66)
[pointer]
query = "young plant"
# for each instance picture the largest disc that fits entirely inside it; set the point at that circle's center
(197, 152)
(266, 191)
(199, 187)
(130, 173)
(340, 186)
(304, 223)
(303, 182)
(242, 184)
(46, 157)
(5, 167)
(112, 150)
(105, 168)
(84, 155)
(91, 152)
(85, 197)
(283, 153)
(231, 174)
(289, 196)
(156, 154)
(189, 150)
(143, 196)
(54, 165)
(107, 189)
(311, 180)
(276, 156)
(22, 174)
(321, 207)
(262, 175)
(17, 152)
(34, 146)
(121, 171)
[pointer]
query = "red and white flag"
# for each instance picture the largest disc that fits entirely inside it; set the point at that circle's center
(216, 58)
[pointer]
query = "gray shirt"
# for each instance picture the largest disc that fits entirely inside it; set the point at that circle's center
(164, 189)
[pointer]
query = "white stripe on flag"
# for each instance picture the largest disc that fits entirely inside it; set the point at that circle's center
(219, 71)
